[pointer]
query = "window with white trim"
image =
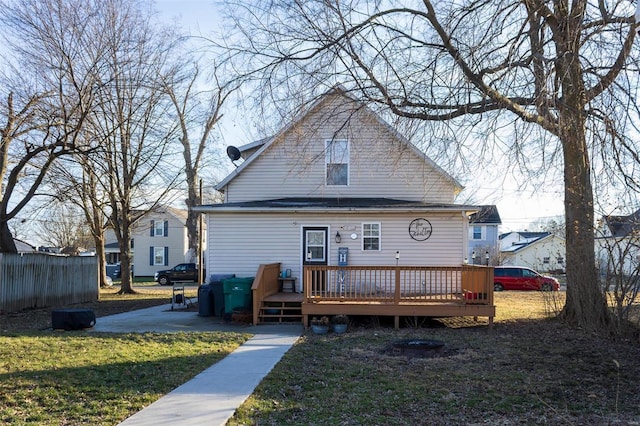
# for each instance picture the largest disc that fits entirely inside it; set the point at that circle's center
(158, 256)
(159, 228)
(371, 236)
(477, 232)
(337, 162)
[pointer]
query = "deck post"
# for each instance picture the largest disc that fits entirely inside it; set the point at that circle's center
(396, 298)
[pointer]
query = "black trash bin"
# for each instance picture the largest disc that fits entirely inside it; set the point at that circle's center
(217, 292)
(205, 301)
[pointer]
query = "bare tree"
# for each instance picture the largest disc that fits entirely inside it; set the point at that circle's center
(197, 113)
(104, 63)
(74, 179)
(46, 103)
(549, 82)
(129, 121)
(65, 227)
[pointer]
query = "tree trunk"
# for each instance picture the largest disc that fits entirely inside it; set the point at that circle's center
(585, 304)
(193, 199)
(125, 258)
(7, 245)
(102, 261)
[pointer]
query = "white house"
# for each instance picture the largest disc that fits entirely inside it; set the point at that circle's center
(618, 244)
(542, 251)
(336, 179)
(159, 240)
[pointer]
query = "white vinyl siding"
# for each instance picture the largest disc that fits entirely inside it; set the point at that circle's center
(379, 163)
(239, 243)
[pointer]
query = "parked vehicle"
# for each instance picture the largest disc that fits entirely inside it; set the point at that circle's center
(181, 272)
(113, 270)
(522, 278)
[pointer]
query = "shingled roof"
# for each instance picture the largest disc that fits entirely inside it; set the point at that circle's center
(488, 215)
(621, 226)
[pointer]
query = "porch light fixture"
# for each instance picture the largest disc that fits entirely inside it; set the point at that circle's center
(473, 258)
(486, 257)
(338, 237)
(397, 257)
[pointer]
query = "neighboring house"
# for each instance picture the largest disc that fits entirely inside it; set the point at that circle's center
(483, 236)
(542, 251)
(618, 243)
(159, 239)
(24, 247)
(338, 178)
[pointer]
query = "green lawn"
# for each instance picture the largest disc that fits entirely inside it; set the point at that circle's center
(79, 378)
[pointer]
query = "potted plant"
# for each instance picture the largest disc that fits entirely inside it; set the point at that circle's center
(320, 325)
(340, 323)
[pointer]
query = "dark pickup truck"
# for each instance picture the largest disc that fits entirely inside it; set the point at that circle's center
(181, 272)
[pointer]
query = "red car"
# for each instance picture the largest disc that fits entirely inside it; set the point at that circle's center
(521, 278)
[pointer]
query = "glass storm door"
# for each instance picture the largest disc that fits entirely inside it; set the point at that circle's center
(314, 243)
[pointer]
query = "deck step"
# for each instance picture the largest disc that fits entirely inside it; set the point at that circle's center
(273, 310)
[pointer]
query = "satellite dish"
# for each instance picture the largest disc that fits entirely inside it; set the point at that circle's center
(233, 153)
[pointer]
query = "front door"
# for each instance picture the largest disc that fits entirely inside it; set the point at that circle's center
(315, 252)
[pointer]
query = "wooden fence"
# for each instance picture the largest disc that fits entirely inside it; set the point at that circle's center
(35, 280)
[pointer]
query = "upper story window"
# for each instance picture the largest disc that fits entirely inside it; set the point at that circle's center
(477, 232)
(159, 228)
(337, 162)
(370, 236)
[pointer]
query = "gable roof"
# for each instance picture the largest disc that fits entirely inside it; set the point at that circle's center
(23, 246)
(487, 215)
(525, 235)
(264, 143)
(527, 239)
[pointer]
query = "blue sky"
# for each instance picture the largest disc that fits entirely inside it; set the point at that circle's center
(517, 208)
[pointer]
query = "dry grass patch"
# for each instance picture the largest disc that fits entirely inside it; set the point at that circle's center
(528, 370)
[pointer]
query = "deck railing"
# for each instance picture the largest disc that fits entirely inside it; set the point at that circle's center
(399, 284)
(264, 284)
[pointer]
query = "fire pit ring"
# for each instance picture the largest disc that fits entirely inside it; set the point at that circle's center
(417, 347)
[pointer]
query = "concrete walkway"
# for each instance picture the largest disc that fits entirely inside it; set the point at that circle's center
(212, 396)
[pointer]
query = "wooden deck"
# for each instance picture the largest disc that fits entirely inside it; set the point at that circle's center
(383, 291)
(398, 291)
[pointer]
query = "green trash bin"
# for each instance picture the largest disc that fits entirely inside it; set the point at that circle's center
(237, 294)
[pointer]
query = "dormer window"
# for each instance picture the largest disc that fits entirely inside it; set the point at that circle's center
(337, 162)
